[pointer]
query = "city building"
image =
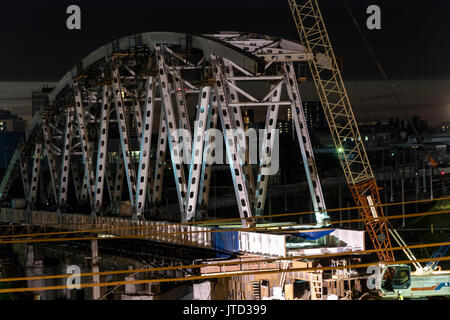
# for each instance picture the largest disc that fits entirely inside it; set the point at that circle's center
(12, 129)
(10, 122)
(39, 99)
(315, 118)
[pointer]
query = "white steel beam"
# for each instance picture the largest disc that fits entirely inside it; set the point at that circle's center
(197, 152)
(118, 184)
(65, 157)
(304, 140)
(35, 173)
(102, 148)
(160, 160)
(239, 127)
(89, 177)
(173, 133)
(270, 130)
(183, 115)
(237, 172)
(50, 158)
(24, 175)
(144, 173)
(124, 134)
(208, 156)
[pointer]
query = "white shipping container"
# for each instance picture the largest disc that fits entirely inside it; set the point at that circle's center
(262, 243)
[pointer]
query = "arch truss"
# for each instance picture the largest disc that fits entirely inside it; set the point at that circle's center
(130, 113)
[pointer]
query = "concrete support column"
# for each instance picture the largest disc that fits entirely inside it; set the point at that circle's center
(34, 267)
(202, 290)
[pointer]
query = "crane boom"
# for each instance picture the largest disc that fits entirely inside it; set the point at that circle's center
(341, 120)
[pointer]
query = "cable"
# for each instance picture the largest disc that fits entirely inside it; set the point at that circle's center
(221, 264)
(380, 68)
(217, 276)
(401, 216)
(220, 220)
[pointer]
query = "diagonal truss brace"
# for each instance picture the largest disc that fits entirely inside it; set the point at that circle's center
(197, 152)
(85, 144)
(102, 149)
(306, 149)
(266, 151)
(173, 133)
(124, 134)
(144, 173)
(237, 171)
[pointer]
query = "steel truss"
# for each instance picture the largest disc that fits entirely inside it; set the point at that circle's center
(100, 128)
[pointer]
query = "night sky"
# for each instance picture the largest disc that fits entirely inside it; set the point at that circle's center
(412, 44)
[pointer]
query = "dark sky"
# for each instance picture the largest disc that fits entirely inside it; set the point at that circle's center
(412, 45)
(413, 42)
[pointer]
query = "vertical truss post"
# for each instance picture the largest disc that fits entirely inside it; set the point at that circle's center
(173, 133)
(50, 158)
(239, 126)
(8, 177)
(304, 140)
(124, 135)
(160, 159)
(102, 149)
(85, 144)
(35, 173)
(268, 142)
(144, 173)
(197, 151)
(209, 150)
(230, 143)
(65, 156)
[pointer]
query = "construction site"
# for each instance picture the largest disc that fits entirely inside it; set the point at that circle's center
(143, 176)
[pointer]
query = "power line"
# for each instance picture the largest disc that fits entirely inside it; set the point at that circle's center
(401, 216)
(383, 73)
(213, 221)
(220, 264)
(217, 276)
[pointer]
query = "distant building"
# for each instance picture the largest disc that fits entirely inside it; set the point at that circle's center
(8, 144)
(314, 116)
(10, 122)
(444, 127)
(12, 131)
(39, 99)
(284, 127)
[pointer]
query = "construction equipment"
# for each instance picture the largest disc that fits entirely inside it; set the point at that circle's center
(341, 120)
(398, 279)
(407, 251)
(439, 253)
(425, 282)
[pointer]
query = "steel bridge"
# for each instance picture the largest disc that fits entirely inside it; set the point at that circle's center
(124, 115)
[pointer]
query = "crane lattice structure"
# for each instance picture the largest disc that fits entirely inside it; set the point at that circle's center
(341, 120)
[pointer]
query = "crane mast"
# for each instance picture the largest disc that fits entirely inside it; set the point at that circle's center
(342, 123)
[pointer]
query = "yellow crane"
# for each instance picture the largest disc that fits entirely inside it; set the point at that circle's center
(342, 123)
